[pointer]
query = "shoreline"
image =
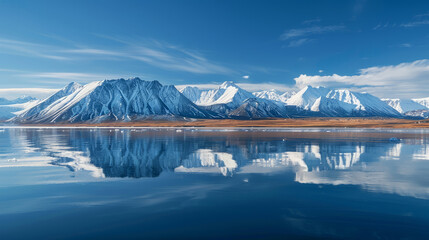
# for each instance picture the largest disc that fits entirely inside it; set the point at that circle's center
(371, 123)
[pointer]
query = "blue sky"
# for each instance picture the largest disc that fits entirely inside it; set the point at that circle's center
(375, 46)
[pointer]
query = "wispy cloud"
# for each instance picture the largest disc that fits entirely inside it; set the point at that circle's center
(311, 21)
(405, 80)
(155, 53)
(423, 15)
(300, 36)
(12, 93)
(15, 47)
(301, 32)
(299, 42)
(70, 76)
(418, 20)
(381, 26)
(158, 54)
(415, 23)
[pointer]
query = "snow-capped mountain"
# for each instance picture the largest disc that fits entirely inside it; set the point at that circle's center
(418, 113)
(10, 108)
(134, 99)
(23, 99)
(112, 100)
(259, 108)
(227, 93)
(341, 103)
(37, 111)
(274, 95)
(422, 101)
(404, 105)
(192, 93)
(307, 97)
(331, 107)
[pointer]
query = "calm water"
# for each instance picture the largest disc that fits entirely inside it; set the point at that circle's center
(207, 184)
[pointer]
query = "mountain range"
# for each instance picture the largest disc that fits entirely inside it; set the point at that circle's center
(136, 99)
(10, 108)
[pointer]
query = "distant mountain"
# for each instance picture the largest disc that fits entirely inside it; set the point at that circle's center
(422, 101)
(259, 108)
(227, 93)
(39, 110)
(10, 108)
(112, 100)
(340, 103)
(404, 105)
(192, 93)
(274, 95)
(418, 113)
(23, 99)
(136, 99)
(307, 97)
(331, 107)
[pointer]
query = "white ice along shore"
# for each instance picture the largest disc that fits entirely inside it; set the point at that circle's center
(136, 99)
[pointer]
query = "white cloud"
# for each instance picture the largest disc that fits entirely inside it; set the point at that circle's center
(299, 42)
(405, 80)
(301, 32)
(420, 19)
(15, 47)
(246, 76)
(415, 23)
(72, 76)
(311, 21)
(11, 93)
(320, 70)
(158, 54)
(155, 53)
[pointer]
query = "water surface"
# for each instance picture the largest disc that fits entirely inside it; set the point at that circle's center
(213, 184)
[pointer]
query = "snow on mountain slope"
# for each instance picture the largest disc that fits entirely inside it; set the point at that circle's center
(192, 93)
(331, 107)
(11, 108)
(274, 95)
(418, 113)
(422, 101)
(35, 111)
(23, 99)
(341, 103)
(227, 93)
(404, 105)
(365, 103)
(7, 112)
(114, 100)
(307, 96)
(259, 108)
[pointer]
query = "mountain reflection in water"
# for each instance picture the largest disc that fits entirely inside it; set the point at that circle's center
(213, 184)
(322, 157)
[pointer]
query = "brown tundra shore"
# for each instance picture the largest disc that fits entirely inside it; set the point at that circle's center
(266, 123)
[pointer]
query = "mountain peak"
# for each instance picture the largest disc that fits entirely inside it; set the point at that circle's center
(228, 84)
(72, 85)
